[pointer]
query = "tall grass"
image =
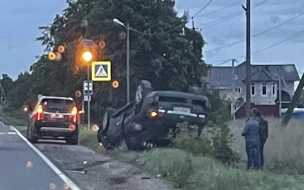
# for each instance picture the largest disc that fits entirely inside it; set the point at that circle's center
(186, 171)
(284, 148)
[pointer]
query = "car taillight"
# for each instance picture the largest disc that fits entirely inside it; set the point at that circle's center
(74, 114)
(39, 112)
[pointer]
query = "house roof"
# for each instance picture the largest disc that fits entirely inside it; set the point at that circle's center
(222, 76)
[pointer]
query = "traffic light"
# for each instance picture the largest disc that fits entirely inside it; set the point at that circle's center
(115, 84)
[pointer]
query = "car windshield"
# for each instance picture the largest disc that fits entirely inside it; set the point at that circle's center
(60, 105)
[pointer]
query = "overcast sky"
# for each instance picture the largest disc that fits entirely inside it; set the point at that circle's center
(221, 23)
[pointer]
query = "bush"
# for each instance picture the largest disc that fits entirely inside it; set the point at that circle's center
(196, 172)
(216, 141)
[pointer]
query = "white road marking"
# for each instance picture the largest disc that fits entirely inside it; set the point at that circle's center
(1, 123)
(11, 128)
(67, 180)
(11, 133)
(2, 133)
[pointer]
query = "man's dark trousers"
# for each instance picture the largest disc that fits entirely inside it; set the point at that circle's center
(262, 153)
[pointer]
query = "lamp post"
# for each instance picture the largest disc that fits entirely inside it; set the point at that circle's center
(128, 55)
(87, 57)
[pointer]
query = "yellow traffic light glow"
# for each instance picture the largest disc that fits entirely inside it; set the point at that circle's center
(87, 56)
(52, 56)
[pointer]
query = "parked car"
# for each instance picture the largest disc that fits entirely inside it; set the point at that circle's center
(152, 117)
(298, 113)
(53, 117)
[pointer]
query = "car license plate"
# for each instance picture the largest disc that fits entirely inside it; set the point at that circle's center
(182, 110)
(56, 116)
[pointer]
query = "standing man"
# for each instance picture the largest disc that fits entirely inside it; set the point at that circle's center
(251, 134)
(263, 133)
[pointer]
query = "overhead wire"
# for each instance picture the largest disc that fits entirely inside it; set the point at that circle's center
(229, 17)
(202, 8)
(219, 10)
(199, 12)
(258, 34)
(263, 49)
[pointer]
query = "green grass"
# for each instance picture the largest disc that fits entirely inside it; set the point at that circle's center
(283, 150)
(195, 172)
(15, 118)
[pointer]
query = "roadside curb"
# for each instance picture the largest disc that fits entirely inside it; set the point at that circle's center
(66, 179)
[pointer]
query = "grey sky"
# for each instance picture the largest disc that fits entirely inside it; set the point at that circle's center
(19, 28)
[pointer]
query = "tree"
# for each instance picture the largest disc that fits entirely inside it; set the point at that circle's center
(164, 52)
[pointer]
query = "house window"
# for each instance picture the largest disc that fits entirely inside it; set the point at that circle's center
(252, 89)
(264, 89)
(273, 88)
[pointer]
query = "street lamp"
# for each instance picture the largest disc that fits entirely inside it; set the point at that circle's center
(87, 57)
(128, 55)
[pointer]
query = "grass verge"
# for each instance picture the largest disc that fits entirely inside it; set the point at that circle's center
(196, 172)
(12, 117)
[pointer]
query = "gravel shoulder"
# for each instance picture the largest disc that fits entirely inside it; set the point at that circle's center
(94, 171)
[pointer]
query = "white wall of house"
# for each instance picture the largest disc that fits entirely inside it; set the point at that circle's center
(264, 92)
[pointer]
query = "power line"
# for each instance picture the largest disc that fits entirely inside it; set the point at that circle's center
(202, 8)
(262, 2)
(278, 43)
(258, 34)
(219, 10)
(263, 49)
(199, 12)
(229, 17)
(218, 21)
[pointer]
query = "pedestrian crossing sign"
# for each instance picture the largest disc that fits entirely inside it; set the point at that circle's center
(101, 71)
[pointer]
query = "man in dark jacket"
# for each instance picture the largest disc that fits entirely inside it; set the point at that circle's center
(263, 133)
(252, 138)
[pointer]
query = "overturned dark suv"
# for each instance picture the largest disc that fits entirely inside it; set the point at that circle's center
(152, 117)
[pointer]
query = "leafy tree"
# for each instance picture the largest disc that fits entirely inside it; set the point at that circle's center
(164, 52)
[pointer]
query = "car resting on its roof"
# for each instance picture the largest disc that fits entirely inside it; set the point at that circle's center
(152, 117)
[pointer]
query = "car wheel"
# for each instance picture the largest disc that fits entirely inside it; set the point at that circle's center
(142, 90)
(30, 136)
(105, 123)
(72, 140)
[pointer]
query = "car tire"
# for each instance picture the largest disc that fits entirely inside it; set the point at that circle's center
(29, 135)
(102, 132)
(144, 87)
(72, 140)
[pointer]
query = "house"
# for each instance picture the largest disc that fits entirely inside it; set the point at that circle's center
(266, 82)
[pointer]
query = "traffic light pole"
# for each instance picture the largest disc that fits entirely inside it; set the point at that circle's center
(128, 63)
(89, 97)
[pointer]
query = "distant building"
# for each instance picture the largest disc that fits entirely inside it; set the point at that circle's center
(264, 86)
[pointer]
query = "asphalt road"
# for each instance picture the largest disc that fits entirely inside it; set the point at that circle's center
(22, 166)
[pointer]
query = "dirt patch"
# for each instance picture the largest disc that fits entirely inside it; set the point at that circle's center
(96, 171)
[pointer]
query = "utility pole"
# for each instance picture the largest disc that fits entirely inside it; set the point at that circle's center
(248, 58)
(293, 102)
(233, 92)
(280, 91)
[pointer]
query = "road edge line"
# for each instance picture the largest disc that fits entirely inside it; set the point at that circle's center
(65, 178)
